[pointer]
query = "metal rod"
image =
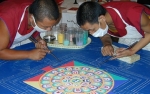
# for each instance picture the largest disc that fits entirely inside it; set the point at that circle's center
(54, 56)
(111, 58)
(35, 41)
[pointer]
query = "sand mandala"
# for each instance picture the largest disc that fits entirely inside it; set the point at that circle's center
(76, 80)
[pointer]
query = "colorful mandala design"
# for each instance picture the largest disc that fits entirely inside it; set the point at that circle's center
(76, 80)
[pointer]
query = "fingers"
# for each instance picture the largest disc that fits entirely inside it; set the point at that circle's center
(122, 53)
(41, 41)
(107, 50)
(37, 54)
(45, 50)
(114, 57)
(40, 58)
(41, 44)
(119, 50)
(42, 53)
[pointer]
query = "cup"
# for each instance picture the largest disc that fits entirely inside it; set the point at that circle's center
(74, 36)
(63, 26)
(79, 37)
(60, 37)
(85, 37)
(66, 38)
(48, 33)
(49, 39)
(70, 31)
(55, 31)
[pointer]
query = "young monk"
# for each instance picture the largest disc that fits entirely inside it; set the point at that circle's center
(20, 19)
(104, 21)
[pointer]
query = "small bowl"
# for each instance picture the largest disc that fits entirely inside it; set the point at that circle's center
(49, 39)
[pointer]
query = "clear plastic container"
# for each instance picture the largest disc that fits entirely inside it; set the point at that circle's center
(66, 38)
(60, 37)
(79, 37)
(85, 37)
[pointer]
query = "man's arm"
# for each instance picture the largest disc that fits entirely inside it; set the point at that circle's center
(145, 26)
(106, 40)
(107, 45)
(5, 53)
(10, 54)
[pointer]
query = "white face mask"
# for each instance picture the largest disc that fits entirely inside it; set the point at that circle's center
(100, 32)
(38, 28)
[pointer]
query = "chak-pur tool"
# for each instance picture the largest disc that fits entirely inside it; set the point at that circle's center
(111, 58)
(35, 41)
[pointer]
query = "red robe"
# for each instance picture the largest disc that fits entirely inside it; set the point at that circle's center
(11, 12)
(130, 12)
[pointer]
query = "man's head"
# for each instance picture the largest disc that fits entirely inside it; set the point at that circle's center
(44, 14)
(90, 15)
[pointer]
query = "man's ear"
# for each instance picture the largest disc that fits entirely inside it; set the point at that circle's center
(102, 17)
(30, 19)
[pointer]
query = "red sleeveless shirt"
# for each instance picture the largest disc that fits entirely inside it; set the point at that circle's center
(11, 12)
(130, 11)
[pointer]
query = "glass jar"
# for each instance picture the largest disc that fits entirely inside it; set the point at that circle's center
(85, 37)
(63, 26)
(66, 38)
(60, 37)
(79, 37)
(55, 31)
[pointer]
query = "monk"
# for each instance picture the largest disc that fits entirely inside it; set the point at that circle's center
(21, 19)
(128, 21)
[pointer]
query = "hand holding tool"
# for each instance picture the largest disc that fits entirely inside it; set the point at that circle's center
(111, 58)
(35, 41)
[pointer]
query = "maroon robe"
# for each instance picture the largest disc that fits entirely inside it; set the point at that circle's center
(11, 12)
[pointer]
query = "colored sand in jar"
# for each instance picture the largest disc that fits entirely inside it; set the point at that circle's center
(70, 37)
(66, 42)
(84, 41)
(79, 43)
(74, 40)
(85, 37)
(60, 38)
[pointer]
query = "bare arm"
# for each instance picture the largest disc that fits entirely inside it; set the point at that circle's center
(106, 40)
(10, 54)
(107, 45)
(145, 26)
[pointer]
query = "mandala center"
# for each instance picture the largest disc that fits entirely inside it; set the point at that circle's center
(75, 80)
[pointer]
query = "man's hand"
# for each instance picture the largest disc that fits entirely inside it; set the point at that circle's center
(41, 44)
(107, 50)
(37, 54)
(123, 52)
